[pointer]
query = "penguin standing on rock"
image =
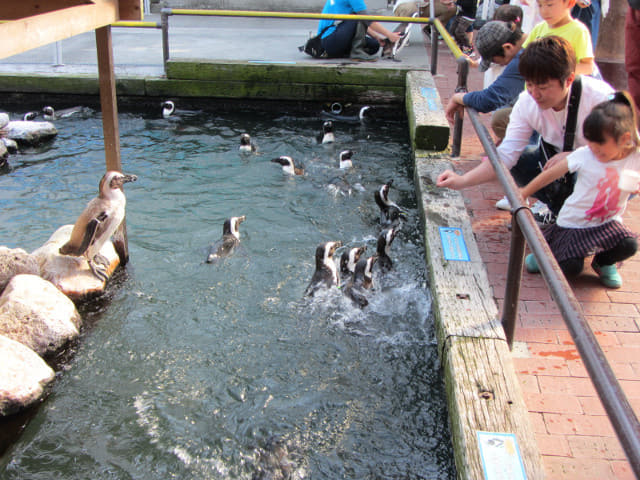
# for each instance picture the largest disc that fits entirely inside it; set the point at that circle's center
(326, 273)
(390, 212)
(98, 222)
(327, 135)
(288, 166)
(384, 247)
(361, 281)
(229, 241)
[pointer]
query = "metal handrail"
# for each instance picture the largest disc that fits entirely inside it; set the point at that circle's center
(621, 415)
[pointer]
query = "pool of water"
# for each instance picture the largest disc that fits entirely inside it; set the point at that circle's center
(194, 371)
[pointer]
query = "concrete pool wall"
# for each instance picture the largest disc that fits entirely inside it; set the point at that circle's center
(482, 388)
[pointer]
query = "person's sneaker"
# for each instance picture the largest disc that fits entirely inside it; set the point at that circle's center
(608, 274)
(401, 43)
(503, 204)
(531, 263)
(542, 215)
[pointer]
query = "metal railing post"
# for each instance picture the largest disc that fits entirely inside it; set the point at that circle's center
(463, 72)
(164, 23)
(434, 39)
(514, 278)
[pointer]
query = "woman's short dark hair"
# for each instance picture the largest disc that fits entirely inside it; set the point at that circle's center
(547, 58)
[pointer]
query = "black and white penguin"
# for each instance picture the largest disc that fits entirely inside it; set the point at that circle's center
(345, 159)
(228, 242)
(98, 222)
(361, 281)
(49, 113)
(29, 116)
(338, 114)
(327, 135)
(246, 145)
(383, 248)
(288, 166)
(168, 108)
(348, 260)
(390, 212)
(326, 273)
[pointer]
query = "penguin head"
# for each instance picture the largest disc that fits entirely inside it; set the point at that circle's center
(364, 269)
(325, 251)
(327, 127)
(365, 112)
(232, 226)
(288, 166)
(29, 116)
(48, 112)
(112, 182)
(245, 139)
(168, 107)
(350, 258)
(345, 158)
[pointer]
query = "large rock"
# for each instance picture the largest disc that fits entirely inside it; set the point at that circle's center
(35, 313)
(14, 262)
(23, 376)
(30, 133)
(72, 275)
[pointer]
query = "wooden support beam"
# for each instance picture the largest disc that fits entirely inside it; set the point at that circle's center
(111, 132)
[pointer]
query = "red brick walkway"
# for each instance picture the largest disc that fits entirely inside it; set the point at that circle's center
(574, 435)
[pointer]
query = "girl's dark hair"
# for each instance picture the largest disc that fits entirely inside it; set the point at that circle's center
(547, 58)
(612, 118)
(509, 13)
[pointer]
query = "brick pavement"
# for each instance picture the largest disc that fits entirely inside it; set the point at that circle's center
(574, 435)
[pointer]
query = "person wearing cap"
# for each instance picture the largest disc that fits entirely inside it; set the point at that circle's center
(548, 66)
(501, 43)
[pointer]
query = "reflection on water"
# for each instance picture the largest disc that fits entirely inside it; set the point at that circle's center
(197, 371)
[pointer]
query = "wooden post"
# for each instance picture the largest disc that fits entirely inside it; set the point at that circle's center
(111, 133)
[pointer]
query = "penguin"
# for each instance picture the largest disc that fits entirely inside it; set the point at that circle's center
(345, 159)
(326, 273)
(288, 166)
(361, 281)
(337, 114)
(390, 212)
(29, 116)
(229, 241)
(384, 246)
(49, 113)
(98, 222)
(327, 135)
(348, 260)
(246, 145)
(168, 108)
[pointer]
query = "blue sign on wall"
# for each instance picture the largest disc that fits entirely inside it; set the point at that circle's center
(453, 244)
(431, 94)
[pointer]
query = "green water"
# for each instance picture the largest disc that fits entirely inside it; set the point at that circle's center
(187, 369)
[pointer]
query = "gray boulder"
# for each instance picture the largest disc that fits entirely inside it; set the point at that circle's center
(23, 376)
(35, 313)
(30, 133)
(14, 262)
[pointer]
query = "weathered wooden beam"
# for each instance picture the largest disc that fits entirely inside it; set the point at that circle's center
(111, 132)
(27, 8)
(30, 32)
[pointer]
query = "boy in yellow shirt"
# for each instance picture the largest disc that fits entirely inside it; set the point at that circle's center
(558, 21)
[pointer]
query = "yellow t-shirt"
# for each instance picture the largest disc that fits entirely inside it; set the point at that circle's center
(575, 32)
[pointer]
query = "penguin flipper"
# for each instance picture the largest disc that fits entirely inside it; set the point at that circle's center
(70, 248)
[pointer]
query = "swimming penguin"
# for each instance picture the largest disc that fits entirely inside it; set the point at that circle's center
(337, 113)
(390, 212)
(327, 135)
(288, 166)
(229, 241)
(49, 113)
(245, 144)
(361, 281)
(168, 108)
(29, 116)
(345, 159)
(348, 260)
(98, 222)
(326, 273)
(383, 248)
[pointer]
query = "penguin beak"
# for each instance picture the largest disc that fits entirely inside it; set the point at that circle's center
(278, 160)
(129, 178)
(242, 218)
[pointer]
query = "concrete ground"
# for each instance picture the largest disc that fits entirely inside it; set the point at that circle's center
(574, 435)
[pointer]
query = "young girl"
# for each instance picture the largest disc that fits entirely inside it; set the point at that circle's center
(589, 220)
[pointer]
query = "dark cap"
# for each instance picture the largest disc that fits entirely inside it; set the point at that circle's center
(489, 41)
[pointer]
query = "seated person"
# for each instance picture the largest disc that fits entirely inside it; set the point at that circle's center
(338, 36)
(444, 10)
